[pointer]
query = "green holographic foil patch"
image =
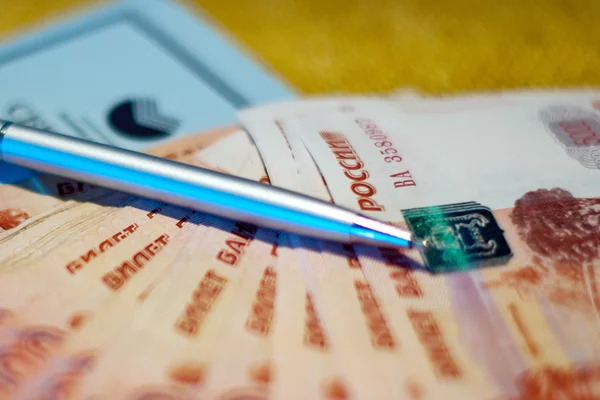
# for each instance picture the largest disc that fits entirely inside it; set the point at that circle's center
(461, 236)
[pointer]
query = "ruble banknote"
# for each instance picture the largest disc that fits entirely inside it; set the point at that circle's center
(509, 180)
(112, 296)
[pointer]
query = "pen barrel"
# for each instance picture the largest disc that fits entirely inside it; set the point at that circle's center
(175, 183)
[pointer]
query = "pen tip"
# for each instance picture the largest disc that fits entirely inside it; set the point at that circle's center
(422, 244)
(372, 232)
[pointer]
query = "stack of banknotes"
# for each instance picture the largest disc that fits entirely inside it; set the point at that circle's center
(108, 296)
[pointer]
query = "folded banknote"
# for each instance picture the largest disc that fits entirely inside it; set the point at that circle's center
(109, 296)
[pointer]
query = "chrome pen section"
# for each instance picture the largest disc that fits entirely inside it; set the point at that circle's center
(193, 187)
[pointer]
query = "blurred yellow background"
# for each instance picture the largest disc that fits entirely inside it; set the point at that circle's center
(438, 46)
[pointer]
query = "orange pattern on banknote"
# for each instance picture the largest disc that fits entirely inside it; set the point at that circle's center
(275, 246)
(261, 315)
(553, 383)
(205, 295)
(161, 392)
(188, 373)
(335, 389)
(116, 278)
(564, 234)
(247, 393)
(532, 347)
(21, 358)
(381, 336)
(235, 246)
(153, 212)
(102, 247)
(261, 372)
(556, 225)
(79, 319)
(400, 271)
(354, 170)
(523, 278)
(64, 384)
(431, 337)
(415, 390)
(11, 218)
(144, 295)
(313, 330)
(182, 221)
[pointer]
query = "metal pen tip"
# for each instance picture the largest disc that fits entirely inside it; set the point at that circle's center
(419, 244)
(377, 233)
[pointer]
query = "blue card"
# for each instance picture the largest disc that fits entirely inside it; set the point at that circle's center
(132, 74)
